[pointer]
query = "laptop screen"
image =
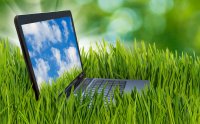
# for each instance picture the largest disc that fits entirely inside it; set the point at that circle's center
(52, 48)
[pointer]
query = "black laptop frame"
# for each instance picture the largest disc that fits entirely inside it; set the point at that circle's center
(20, 20)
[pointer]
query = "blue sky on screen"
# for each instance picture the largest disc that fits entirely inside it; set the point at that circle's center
(52, 48)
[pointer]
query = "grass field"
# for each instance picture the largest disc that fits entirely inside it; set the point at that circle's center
(173, 96)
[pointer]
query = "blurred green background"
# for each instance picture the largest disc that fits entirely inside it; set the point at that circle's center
(173, 24)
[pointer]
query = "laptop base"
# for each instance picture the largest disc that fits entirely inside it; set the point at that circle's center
(90, 85)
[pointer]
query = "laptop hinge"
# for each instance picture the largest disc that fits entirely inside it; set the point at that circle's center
(81, 76)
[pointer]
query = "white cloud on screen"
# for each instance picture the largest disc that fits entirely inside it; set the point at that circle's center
(71, 59)
(72, 56)
(66, 32)
(41, 71)
(42, 32)
(32, 54)
(61, 64)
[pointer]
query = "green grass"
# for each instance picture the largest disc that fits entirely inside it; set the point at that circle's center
(173, 96)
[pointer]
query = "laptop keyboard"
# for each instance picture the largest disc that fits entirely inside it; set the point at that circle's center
(107, 85)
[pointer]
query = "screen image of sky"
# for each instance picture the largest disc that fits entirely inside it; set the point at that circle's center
(52, 48)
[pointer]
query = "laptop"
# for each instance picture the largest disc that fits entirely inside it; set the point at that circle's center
(50, 49)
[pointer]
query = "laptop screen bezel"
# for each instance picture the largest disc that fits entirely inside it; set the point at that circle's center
(32, 18)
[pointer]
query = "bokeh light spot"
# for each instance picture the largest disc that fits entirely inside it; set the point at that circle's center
(125, 20)
(109, 5)
(160, 6)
